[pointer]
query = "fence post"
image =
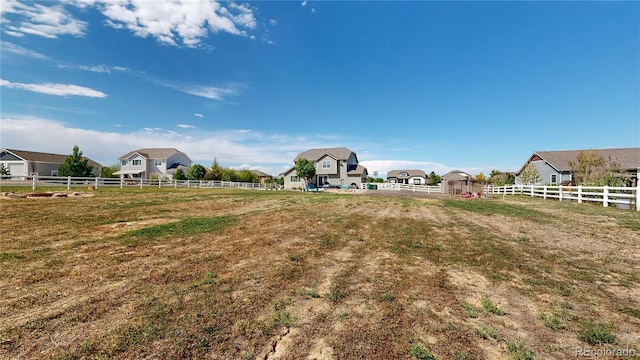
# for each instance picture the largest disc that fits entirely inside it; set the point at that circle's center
(68, 183)
(121, 182)
(140, 182)
(605, 196)
(579, 194)
(544, 192)
(175, 183)
(637, 197)
(159, 182)
(96, 187)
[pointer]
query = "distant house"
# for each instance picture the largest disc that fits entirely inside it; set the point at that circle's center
(334, 166)
(262, 177)
(554, 169)
(413, 177)
(458, 182)
(21, 163)
(158, 162)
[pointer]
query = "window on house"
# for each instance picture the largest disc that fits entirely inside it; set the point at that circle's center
(404, 174)
(293, 178)
(157, 162)
(123, 162)
(554, 179)
(136, 162)
(416, 181)
(326, 164)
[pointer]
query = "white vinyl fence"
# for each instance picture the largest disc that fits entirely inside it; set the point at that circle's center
(621, 197)
(404, 187)
(67, 182)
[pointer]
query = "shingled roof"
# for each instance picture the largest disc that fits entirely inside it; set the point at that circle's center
(411, 173)
(42, 157)
(341, 153)
(153, 153)
(626, 158)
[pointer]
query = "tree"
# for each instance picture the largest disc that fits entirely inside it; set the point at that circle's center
(75, 165)
(305, 169)
(592, 169)
(4, 171)
(246, 176)
(494, 172)
(107, 171)
(179, 175)
(215, 172)
(530, 174)
(433, 179)
(481, 178)
(196, 172)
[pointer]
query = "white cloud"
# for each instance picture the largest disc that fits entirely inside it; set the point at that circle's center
(49, 21)
(55, 89)
(304, 3)
(176, 22)
(19, 50)
(273, 22)
(198, 115)
(208, 92)
(186, 126)
(269, 152)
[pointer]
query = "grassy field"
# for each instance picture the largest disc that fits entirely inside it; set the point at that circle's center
(244, 274)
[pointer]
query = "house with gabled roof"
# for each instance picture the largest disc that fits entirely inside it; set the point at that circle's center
(412, 177)
(150, 162)
(554, 169)
(21, 163)
(458, 182)
(334, 166)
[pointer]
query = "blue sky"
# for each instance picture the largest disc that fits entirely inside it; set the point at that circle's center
(424, 85)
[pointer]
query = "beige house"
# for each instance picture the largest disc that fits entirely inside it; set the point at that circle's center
(158, 162)
(410, 177)
(21, 163)
(334, 166)
(458, 182)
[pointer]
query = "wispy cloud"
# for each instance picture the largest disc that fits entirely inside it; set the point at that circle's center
(186, 126)
(208, 92)
(304, 3)
(105, 69)
(19, 50)
(55, 89)
(46, 20)
(198, 115)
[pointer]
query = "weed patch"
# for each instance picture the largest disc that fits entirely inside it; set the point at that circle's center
(185, 227)
(490, 306)
(595, 333)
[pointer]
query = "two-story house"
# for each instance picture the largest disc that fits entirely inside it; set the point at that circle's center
(334, 166)
(158, 162)
(412, 177)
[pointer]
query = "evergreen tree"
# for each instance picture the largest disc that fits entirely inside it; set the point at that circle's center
(75, 165)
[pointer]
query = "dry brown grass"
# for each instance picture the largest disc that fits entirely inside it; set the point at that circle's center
(223, 274)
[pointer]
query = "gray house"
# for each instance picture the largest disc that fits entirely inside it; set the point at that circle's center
(554, 169)
(158, 162)
(334, 166)
(412, 177)
(21, 163)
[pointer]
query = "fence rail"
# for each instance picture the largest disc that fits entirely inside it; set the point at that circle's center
(621, 197)
(404, 187)
(68, 182)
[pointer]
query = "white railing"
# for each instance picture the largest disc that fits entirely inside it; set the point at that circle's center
(621, 197)
(404, 187)
(95, 182)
